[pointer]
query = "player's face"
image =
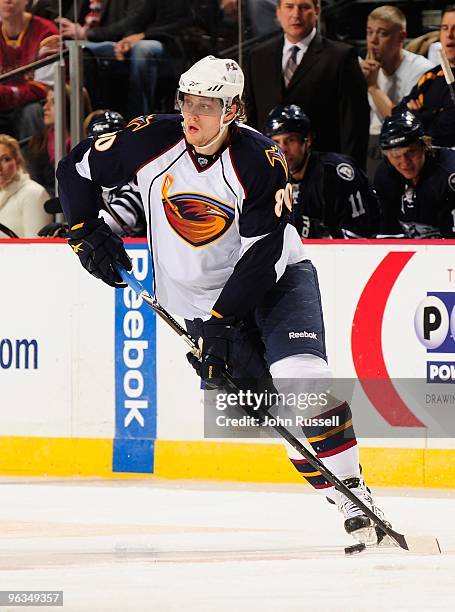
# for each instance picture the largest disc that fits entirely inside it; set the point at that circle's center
(293, 147)
(48, 109)
(8, 166)
(297, 18)
(201, 118)
(11, 8)
(384, 39)
(448, 36)
(408, 161)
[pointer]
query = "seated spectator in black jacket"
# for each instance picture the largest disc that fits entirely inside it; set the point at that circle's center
(142, 33)
(98, 20)
(415, 183)
(430, 99)
(332, 195)
(149, 47)
(98, 23)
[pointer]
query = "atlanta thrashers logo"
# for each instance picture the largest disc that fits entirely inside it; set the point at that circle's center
(196, 217)
(276, 154)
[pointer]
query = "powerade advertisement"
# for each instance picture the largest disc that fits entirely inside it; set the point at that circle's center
(435, 329)
(135, 372)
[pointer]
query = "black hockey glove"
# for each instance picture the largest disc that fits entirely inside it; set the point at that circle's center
(54, 230)
(217, 336)
(99, 250)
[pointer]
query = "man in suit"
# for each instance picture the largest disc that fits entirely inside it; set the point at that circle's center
(321, 76)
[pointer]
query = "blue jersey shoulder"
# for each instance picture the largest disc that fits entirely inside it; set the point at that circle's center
(165, 128)
(255, 155)
(343, 165)
(445, 159)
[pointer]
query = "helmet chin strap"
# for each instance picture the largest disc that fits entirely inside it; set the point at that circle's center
(222, 129)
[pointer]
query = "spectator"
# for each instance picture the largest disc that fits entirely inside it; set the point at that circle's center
(262, 16)
(121, 207)
(430, 98)
(23, 39)
(321, 76)
(150, 29)
(426, 45)
(332, 196)
(415, 183)
(99, 23)
(433, 52)
(148, 48)
(230, 8)
(21, 199)
(390, 71)
(40, 151)
(98, 20)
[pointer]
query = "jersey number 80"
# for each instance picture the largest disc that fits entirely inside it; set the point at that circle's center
(283, 196)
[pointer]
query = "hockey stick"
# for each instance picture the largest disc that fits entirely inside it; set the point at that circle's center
(9, 232)
(448, 74)
(418, 544)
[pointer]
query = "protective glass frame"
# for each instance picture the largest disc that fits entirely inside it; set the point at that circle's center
(199, 105)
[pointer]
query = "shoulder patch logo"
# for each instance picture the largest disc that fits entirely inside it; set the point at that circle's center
(199, 219)
(276, 154)
(345, 171)
(105, 141)
(451, 181)
(140, 122)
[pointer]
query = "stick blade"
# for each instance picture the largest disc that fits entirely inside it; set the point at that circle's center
(423, 545)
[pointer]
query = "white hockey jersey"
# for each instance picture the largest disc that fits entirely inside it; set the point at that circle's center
(218, 233)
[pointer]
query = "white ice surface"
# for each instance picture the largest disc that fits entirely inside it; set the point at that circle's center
(193, 546)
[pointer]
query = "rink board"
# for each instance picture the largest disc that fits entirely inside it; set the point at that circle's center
(92, 385)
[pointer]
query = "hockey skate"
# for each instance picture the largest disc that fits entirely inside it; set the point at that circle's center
(356, 523)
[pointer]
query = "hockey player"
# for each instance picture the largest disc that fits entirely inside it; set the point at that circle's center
(431, 99)
(415, 182)
(332, 197)
(225, 257)
(121, 206)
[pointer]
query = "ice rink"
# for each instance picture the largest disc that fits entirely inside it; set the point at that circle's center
(194, 546)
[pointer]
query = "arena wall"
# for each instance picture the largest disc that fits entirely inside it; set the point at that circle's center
(92, 385)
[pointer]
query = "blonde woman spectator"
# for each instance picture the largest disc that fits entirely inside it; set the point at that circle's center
(21, 199)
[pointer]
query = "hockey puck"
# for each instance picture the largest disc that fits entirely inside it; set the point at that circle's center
(354, 549)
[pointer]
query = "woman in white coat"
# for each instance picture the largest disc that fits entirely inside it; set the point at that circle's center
(21, 199)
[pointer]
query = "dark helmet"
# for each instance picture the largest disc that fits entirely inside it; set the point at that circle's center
(284, 119)
(107, 121)
(400, 131)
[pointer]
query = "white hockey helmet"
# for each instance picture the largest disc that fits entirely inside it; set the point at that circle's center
(215, 78)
